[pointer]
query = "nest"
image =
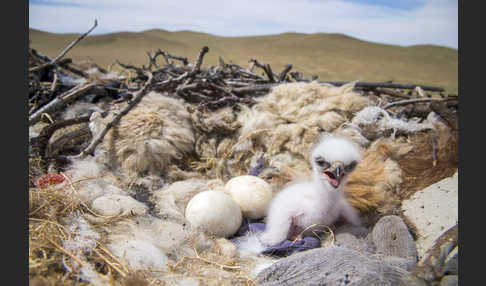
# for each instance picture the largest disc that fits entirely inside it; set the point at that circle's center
(163, 134)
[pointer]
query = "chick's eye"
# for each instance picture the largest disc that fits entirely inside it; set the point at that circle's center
(322, 163)
(348, 168)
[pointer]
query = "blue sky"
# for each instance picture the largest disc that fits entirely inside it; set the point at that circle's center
(398, 22)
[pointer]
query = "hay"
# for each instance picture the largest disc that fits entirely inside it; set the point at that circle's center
(62, 245)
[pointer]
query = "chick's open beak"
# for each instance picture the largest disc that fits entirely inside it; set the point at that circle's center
(335, 173)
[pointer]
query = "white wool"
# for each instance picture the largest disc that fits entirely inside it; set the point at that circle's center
(215, 213)
(226, 248)
(377, 121)
(80, 108)
(153, 240)
(96, 123)
(91, 180)
(434, 119)
(112, 205)
(85, 168)
(251, 244)
(139, 254)
(369, 115)
(353, 133)
(252, 195)
(35, 130)
(84, 238)
(171, 201)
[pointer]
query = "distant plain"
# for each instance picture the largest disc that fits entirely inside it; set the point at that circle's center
(331, 57)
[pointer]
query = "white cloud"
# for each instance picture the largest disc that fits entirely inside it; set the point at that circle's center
(434, 22)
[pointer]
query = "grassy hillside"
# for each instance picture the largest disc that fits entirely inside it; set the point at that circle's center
(329, 56)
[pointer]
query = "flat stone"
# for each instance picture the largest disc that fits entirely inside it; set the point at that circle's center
(449, 280)
(433, 210)
(392, 238)
(347, 240)
(334, 266)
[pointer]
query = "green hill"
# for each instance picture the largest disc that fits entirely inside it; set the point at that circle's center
(329, 56)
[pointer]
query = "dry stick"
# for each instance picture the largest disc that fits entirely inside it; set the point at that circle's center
(283, 74)
(64, 63)
(61, 100)
(267, 86)
(99, 137)
(249, 73)
(64, 250)
(266, 68)
(199, 59)
(221, 62)
(167, 57)
(390, 92)
(153, 59)
(383, 84)
(269, 72)
(40, 142)
(69, 137)
(414, 100)
(54, 82)
(136, 99)
(131, 67)
(73, 43)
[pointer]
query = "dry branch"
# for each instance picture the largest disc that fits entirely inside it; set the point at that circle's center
(60, 101)
(99, 137)
(283, 74)
(414, 100)
(64, 52)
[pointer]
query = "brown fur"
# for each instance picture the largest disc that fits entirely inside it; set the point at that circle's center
(418, 168)
(374, 184)
(154, 134)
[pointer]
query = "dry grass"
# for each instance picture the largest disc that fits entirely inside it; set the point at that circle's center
(329, 56)
(52, 263)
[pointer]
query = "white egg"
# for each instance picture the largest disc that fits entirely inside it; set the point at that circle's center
(251, 193)
(215, 212)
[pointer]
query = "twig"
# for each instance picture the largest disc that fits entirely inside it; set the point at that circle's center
(421, 92)
(383, 84)
(268, 86)
(121, 272)
(222, 266)
(199, 60)
(78, 136)
(266, 68)
(227, 100)
(99, 137)
(414, 100)
(167, 57)
(283, 74)
(54, 82)
(39, 143)
(61, 100)
(390, 92)
(139, 71)
(63, 250)
(73, 43)
(269, 72)
(221, 62)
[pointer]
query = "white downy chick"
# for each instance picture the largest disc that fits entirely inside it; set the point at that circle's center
(304, 206)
